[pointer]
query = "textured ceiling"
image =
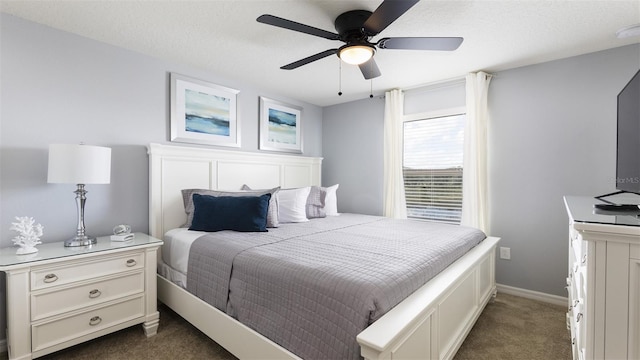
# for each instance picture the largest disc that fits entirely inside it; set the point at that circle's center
(224, 38)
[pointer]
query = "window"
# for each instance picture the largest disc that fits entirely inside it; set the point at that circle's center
(432, 168)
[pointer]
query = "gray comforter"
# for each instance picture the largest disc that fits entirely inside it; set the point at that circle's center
(312, 287)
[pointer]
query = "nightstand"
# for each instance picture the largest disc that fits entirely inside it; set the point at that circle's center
(62, 296)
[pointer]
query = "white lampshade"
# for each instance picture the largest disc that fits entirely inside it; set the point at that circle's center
(79, 164)
(356, 54)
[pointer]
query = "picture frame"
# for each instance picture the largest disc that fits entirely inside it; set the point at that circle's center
(280, 126)
(203, 112)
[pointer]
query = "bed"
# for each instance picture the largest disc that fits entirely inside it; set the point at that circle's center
(431, 322)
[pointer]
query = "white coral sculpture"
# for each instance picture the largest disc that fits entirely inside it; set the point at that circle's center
(29, 234)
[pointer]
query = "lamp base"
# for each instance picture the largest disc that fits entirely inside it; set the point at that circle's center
(81, 241)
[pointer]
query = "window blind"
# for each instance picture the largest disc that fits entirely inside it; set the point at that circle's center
(432, 168)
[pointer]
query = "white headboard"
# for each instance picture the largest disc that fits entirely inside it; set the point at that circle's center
(173, 168)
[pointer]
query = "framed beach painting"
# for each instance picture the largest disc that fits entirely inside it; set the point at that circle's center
(203, 112)
(280, 126)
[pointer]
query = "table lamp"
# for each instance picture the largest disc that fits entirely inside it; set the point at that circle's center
(80, 165)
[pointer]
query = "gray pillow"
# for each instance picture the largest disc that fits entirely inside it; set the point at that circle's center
(315, 203)
(272, 212)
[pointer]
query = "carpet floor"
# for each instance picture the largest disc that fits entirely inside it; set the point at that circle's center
(510, 327)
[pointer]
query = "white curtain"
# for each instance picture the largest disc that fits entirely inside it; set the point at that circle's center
(474, 178)
(394, 200)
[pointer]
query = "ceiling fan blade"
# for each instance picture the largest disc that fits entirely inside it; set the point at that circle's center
(385, 14)
(295, 26)
(420, 43)
(312, 58)
(370, 69)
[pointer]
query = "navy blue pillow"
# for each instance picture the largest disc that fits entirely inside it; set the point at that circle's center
(239, 213)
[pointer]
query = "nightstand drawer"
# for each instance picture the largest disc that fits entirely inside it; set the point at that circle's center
(72, 271)
(51, 333)
(63, 299)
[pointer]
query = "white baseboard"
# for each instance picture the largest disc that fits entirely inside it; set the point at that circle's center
(534, 295)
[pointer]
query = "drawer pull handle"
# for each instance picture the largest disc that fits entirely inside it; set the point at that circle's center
(49, 278)
(578, 317)
(94, 293)
(95, 320)
(131, 262)
(584, 259)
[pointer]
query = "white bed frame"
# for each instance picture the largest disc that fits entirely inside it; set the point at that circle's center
(431, 323)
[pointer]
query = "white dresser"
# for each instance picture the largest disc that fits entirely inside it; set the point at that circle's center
(603, 281)
(59, 297)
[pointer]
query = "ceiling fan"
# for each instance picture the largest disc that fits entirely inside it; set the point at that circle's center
(356, 28)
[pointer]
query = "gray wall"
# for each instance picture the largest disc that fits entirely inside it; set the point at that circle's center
(61, 88)
(552, 133)
(352, 150)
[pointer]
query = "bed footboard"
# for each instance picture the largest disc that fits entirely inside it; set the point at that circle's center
(433, 322)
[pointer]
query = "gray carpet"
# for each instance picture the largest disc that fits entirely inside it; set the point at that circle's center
(513, 327)
(510, 328)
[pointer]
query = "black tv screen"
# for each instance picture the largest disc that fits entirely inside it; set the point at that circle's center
(628, 147)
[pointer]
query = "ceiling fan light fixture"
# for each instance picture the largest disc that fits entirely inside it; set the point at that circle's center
(356, 54)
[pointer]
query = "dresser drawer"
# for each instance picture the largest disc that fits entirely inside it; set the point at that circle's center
(580, 282)
(62, 299)
(73, 271)
(577, 329)
(572, 328)
(578, 246)
(46, 334)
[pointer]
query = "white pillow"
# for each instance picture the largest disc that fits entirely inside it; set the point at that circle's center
(331, 201)
(292, 205)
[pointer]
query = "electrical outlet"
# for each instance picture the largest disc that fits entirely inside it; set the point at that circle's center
(505, 253)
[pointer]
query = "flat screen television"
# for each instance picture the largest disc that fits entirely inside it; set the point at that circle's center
(627, 147)
(628, 143)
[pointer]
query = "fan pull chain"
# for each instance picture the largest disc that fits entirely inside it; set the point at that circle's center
(371, 90)
(340, 79)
